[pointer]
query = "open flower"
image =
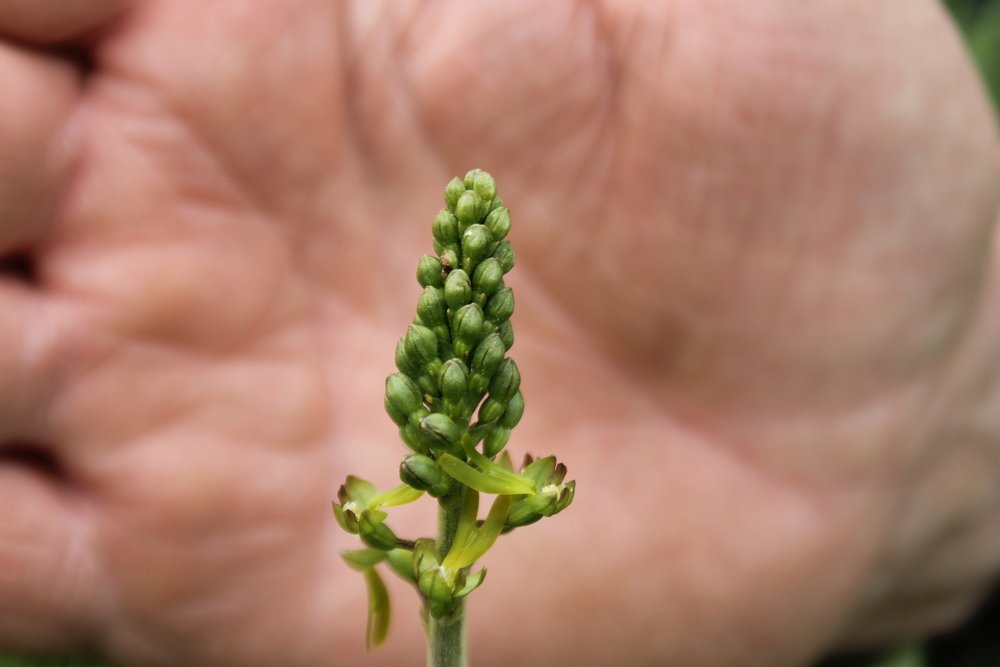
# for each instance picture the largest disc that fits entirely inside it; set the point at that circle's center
(360, 510)
(551, 495)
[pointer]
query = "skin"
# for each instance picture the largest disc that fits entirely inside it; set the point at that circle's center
(757, 316)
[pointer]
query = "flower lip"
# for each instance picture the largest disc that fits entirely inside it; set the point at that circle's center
(353, 508)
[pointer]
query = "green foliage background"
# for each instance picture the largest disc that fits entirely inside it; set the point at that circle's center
(978, 643)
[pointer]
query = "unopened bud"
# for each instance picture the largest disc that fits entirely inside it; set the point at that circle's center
(505, 255)
(490, 410)
(487, 357)
(438, 432)
(498, 222)
(457, 289)
(449, 261)
(424, 474)
(453, 191)
(476, 242)
(429, 272)
(468, 210)
(470, 177)
(403, 361)
(420, 344)
(402, 398)
(506, 332)
(496, 439)
(505, 382)
(431, 307)
(454, 379)
(468, 328)
(428, 385)
(445, 229)
(485, 186)
(513, 412)
(487, 277)
(408, 434)
(500, 306)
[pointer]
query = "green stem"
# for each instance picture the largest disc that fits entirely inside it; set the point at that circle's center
(446, 636)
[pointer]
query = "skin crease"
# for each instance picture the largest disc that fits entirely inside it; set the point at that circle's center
(757, 316)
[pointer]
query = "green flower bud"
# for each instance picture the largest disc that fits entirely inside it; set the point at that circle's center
(408, 434)
(488, 277)
(500, 306)
(403, 361)
(505, 382)
(468, 328)
(420, 344)
(424, 474)
(487, 357)
(374, 533)
(485, 186)
(498, 222)
(468, 210)
(438, 432)
(431, 307)
(454, 379)
(429, 272)
(457, 289)
(513, 412)
(505, 255)
(428, 386)
(445, 229)
(496, 439)
(496, 203)
(506, 332)
(470, 177)
(476, 242)
(421, 412)
(402, 398)
(490, 410)
(449, 261)
(454, 190)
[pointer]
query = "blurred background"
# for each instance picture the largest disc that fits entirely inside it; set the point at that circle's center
(977, 643)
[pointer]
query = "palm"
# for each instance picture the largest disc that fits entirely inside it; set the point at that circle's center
(717, 317)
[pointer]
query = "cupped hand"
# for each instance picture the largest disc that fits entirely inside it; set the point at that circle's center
(757, 317)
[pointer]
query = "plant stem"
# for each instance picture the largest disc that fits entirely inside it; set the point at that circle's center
(446, 636)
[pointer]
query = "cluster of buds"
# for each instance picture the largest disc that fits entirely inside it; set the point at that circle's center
(455, 398)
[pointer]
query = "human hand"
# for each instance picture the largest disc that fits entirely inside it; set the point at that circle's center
(756, 316)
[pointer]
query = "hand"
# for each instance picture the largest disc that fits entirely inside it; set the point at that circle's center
(757, 317)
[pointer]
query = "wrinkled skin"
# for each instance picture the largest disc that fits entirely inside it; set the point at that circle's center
(757, 316)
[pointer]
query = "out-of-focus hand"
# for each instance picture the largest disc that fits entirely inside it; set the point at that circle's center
(757, 316)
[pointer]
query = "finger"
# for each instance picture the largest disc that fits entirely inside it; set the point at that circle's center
(50, 22)
(47, 578)
(48, 583)
(36, 99)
